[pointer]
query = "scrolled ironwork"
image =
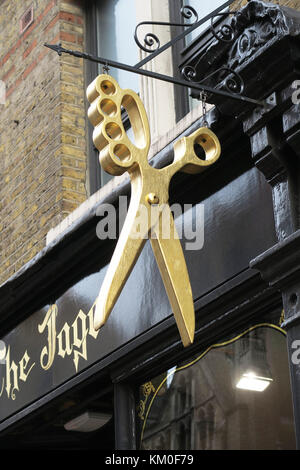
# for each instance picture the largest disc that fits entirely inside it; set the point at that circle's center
(188, 12)
(189, 72)
(232, 82)
(226, 32)
(151, 41)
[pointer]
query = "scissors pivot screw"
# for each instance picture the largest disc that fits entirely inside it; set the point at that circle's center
(152, 198)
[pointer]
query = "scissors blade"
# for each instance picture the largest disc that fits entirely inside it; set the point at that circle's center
(171, 262)
(127, 251)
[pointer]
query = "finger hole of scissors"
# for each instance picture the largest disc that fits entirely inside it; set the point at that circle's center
(205, 147)
(113, 131)
(107, 87)
(122, 153)
(132, 112)
(108, 107)
(199, 151)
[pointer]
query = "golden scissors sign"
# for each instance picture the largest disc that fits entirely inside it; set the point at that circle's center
(150, 187)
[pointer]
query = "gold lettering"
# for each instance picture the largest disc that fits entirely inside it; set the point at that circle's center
(80, 342)
(11, 387)
(13, 373)
(65, 348)
(92, 331)
(66, 343)
(69, 340)
(50, 323)
(23, 364)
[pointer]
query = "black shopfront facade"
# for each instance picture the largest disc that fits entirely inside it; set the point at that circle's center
(133, 378)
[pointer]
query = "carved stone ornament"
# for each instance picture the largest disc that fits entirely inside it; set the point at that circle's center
(255, 26)
(257, 34)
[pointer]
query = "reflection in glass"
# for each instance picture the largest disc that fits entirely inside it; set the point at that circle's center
(207, 403)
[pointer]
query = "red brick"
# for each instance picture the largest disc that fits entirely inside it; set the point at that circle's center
(42, 54)
(29, 30)
(9, 73)
(46, 10)
(68, 37)
(50, 5)
(29, 69)
(55, 39)
(52, 23)
(5, 58)
(67, 17)
(13, 87)
(16, 46)
(29, 49)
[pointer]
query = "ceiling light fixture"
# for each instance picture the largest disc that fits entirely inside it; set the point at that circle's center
(251, 381)
(88, 422)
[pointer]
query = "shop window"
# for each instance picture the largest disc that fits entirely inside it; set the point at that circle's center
(240, 397)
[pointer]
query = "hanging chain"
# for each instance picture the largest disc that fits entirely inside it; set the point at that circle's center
(105, 68)
(203, 98)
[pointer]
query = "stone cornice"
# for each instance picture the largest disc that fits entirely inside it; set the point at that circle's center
(280, 265)
(261, 52)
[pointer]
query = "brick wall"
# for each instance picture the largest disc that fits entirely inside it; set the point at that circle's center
(42, 126)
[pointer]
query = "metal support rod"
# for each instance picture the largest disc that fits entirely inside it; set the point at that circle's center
(129, 68)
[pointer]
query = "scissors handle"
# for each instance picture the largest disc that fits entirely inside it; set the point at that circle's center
(187, 160)
(118, 153)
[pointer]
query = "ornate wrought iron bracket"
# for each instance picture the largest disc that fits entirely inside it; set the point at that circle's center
(232, 82)
(151, 39)
(187, 12)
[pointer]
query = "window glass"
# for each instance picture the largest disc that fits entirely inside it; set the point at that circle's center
(116, 22)
(234, 396)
